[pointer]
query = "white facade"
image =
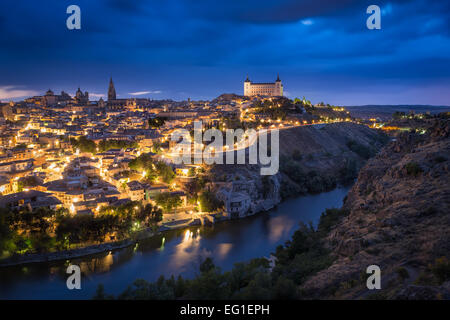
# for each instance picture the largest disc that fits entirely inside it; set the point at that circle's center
(264, 89)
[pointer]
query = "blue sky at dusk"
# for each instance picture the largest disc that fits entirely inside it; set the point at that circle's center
(202, 48)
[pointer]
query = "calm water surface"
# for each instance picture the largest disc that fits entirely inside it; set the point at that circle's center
(175, 252)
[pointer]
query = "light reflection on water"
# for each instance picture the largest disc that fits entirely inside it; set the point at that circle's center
(279, 227)
(175, 252)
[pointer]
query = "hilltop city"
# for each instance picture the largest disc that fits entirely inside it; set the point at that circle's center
(107, 167)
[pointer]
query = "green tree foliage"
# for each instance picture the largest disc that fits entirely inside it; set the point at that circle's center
(330, 218)
(26, 231)
(43, 230)
(165, 171)
(20, 146)
(156, 147)
(209, 202)
(361, 150)
(159, 169)
(302, 256)
(25, 182)
(293, 170)
(7, 243)
(106, 145)
(398, 115)
(191, 172)
(193, 188)
(168, 201)
(141, 163)
(156, 122)
(119, 220)
(84, 144)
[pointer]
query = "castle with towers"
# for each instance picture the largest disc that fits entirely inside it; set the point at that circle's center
(263, 89)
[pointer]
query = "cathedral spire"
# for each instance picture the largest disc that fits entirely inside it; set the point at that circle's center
(111, 90)
(278, 77)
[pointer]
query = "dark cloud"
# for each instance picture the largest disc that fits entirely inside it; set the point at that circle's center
(204, 47)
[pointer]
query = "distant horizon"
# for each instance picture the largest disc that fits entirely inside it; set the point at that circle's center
(144, 96)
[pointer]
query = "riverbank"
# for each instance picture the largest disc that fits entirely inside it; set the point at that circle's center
(314, 170)
(65, 254)
(36, 258)
(174, 252)
(99, 248)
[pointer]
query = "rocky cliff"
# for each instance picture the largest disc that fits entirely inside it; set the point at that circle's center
(399, 220)
(312, 159)
(317, 158)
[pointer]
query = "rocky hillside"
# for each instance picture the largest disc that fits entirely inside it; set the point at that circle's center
(312, 159)
(398, 218)
(317, 158)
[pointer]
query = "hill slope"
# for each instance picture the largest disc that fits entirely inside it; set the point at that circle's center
(399, 219)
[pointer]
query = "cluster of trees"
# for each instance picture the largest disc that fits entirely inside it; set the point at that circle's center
(156, 122)
(168, 201)
(29, 181)
(84, 144)
(361, 150)
(397, 115)
(43, 230)
(120, 221)
(106, 145)
(194, 187)
(209, 202)
(20, 146)
(276, 109)
(296, 260)
(144, 163)
(303, 102)
(226, 123)
(165, 172)
(310, 181)
(27, 230)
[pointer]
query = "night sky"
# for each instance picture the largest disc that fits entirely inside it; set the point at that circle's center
(202, 48)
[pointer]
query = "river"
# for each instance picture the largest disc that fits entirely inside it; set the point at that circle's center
(175, 252)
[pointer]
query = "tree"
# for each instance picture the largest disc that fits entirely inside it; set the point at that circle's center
(149, 212)
(165, 172)
(30, 181)
(156, 147)
(209, 202)
(398, 115)
(191, 172)
(207, 265)
(106, 145)
(284, 289)
(6, 234)
(168, 201)
(84, 144)
(157, 122)
(143, 162)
